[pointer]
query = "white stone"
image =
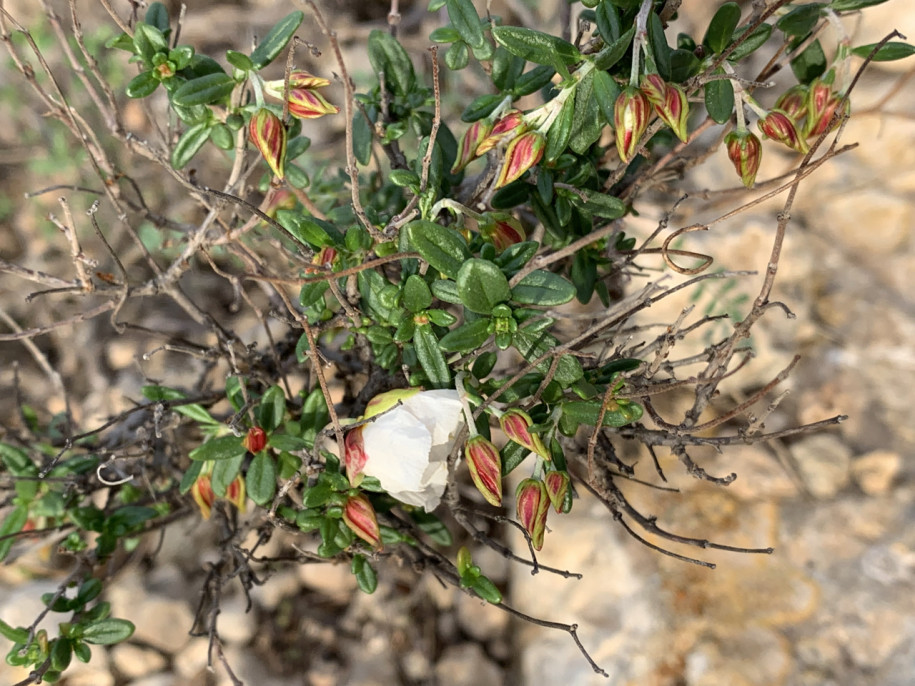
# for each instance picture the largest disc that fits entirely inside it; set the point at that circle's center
(874, 472)
(823, 462)
(467, 665)
(134, 662)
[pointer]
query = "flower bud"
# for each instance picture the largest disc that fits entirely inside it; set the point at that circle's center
(485, 465)
(503, 230)
(305, 103)
(281, 199)
(630, 119)
(325, 257)
(822, 104)
(256, 440)
(669, 102)
(470, 142)
(354, 455)
(557, 485)
(522, 153)
(516, 424)
(235, 493)
(780, 127)
(202, 493)
(509, 125)
(533, 504)
(297, 79)
(793, 102)
(269, 136)
(745, 152)
(359, 515)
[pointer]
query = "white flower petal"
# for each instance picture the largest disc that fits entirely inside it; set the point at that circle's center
(397, 446)
(439, 410)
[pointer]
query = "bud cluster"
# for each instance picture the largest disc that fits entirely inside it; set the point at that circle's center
(523, 147)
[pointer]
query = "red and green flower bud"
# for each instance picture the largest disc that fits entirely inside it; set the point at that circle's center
(669, 102)
(325, 257)
(297, 79)
(281, 199)
(235, 493)
(470, 142)
(269, 136)
(359, 515)
(516, 425)
(557, 485)
(822, 104)
(630, 119)
(533, 504)
(202, 493)
(354, 456)
(509, 125)
(503, 230)
(256, 440)
(793, 102)
(305, 103)
(745, 151)
(522, 153)
(485, 464)
(780, 127)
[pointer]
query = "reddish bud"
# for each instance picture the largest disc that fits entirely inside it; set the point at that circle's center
(354, 456)
(302, 79)
(305, 103)
(281, 199)
(822, 104)
(511, 124)
(502, 230)
(669, 102)
(745, 152)
(793, 102)
(780, 127)
(256, 440)
(470, 142)
(630, 119)
(202, 493)
(325, 257)
(522, 153)
(359, 515)
(269, 136)
(557, 485)
(485, 465)
(516, 424)
(235, 493)
(533, 504)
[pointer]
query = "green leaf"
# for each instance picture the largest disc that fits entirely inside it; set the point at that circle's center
(432, 526)
(800, 21)
(587, 412)
(852, 5)
(587, 122)
(752, 42)
(148, 41)
(612, 53)
(722, 26)
(513, 454)
(444, 34)
(441, 246)
(272, 408)
(222, 137)
(596, 203)
(469, 336)
(260, 481)
(659, 48)
(311, 231)
(13, 524)
(276, 40)
(481, 107)
(541, 287)
(190, 142)
(16, 635)
(810, 64)
(416, 294)
(157, 15)
(486, 589)
(458, 56)
(196, 412)
(224, 473)
(482, 286)
(535, 46)
(719, 99)
(389, 57)
(430, 356)
(61, 652)
(107, 631)
(17, 461)
(362, 138)
(222, 448)
(506, 68)
(533, 345)
(608, 22)
(465, 19)
(606, 91)
(560, 132)
(366, 578)
(287, 442)
(888, 53)
(142, 84)
(516, 256)
(204, 90)
(239, 60)
(446, 291)
(531, 82)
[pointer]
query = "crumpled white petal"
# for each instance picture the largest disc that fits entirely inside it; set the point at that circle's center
(407, 448)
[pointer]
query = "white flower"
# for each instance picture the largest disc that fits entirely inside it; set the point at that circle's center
(407, 448)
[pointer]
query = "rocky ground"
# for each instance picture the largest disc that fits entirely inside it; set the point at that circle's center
(832, 606)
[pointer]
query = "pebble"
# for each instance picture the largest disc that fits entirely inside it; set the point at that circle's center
(134, 661)
(874, 472)
(824, 463)
(467, 665)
